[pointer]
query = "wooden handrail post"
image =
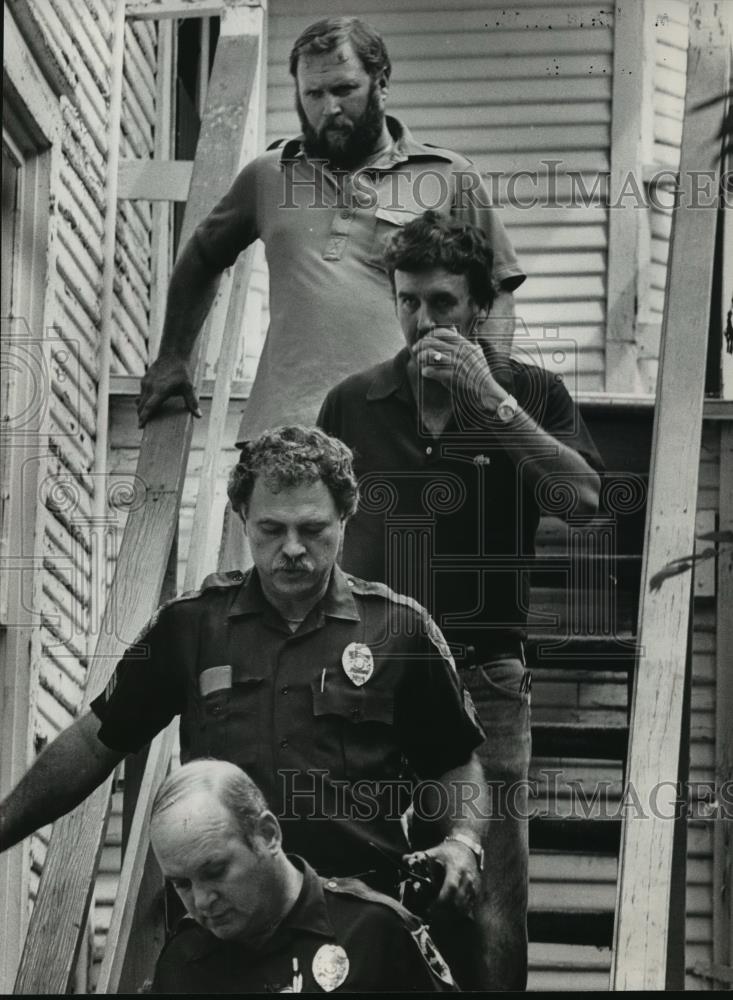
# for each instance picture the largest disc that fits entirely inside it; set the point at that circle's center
(644, 897)
(57, 925)
(138, 863)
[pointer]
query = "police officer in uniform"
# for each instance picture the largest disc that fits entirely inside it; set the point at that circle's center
(261, 921)
(335, 695)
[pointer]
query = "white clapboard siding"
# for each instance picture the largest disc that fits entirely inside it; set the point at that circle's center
(568, 967)
(78, 34)
(511, 86)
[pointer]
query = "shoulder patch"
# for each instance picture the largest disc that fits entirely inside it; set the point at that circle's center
(470, 709)
(433, 959)
(438, 640)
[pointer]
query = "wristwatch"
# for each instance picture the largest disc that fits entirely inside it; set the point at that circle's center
(473, 845)
(507, 409)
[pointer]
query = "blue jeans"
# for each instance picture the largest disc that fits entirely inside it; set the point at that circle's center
(492, 955)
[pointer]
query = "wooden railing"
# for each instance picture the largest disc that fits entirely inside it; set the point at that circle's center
(648, 950)
(58, 923)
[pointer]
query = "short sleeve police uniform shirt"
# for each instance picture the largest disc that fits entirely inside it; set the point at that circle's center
(340, 937)
(334, 722)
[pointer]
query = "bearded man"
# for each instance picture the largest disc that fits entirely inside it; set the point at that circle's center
(324, 204)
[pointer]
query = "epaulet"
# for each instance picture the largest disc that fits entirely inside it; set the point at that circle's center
(213, 581)
(356, 888)
(418, 931)
(230, 578)
(373, 588)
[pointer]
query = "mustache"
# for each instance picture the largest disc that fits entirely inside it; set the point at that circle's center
(339, 122)
(303, 565)
(358, 139)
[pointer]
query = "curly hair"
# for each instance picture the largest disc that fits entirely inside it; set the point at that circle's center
(330, 32)
(432, 241)
(290, 456)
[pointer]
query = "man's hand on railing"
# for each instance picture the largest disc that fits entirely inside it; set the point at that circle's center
(168, 375)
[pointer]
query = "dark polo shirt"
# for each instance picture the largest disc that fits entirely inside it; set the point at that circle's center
(448, 520)
(386, 949)
(334, 760)
(331, 310)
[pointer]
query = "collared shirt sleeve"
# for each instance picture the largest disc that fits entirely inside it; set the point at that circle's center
(145, 692)
(472, 203)
(327, 418)
(562, 418)
(435, 716)
(412, 963)
(233, 224)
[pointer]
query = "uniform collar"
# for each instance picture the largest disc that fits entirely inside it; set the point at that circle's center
(309, 913)
(405, 148)
(337, 602)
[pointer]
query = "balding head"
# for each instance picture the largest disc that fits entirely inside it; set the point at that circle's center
(228, 783)
(221, 849)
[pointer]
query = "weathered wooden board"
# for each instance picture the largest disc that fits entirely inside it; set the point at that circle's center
(631, 128)
(723, 834)
(160, 9)
(137, 859)
(56, 928)
(644, 892)
(155, 180)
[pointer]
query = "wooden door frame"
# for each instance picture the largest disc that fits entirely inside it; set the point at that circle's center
(33, 124)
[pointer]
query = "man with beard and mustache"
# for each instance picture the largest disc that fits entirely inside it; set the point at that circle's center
(323, 204)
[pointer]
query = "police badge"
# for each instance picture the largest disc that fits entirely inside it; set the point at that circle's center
(330, 967)
(358, 663)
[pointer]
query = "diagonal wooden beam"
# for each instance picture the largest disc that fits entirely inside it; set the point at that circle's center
(642, 929)
(138, 856)
(59, 917)
(155, 180)
(160, 9)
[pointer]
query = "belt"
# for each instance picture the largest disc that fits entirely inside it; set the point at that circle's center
(508, 650)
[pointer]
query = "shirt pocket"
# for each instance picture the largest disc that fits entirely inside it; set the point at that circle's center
(354, 727)
(230, 721)
(388, 222)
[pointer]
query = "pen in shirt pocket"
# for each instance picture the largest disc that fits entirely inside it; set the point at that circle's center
(323, 679)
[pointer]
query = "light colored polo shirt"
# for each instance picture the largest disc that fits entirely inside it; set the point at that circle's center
(331, 307)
